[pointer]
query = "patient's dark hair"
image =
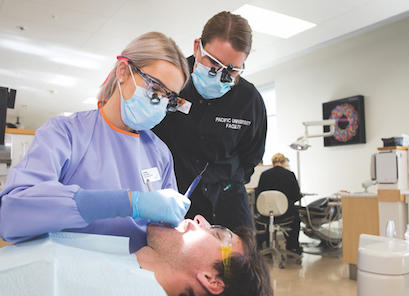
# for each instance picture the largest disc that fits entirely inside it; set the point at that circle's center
(249, 273)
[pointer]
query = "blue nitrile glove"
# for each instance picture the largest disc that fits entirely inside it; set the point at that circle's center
(165, 205)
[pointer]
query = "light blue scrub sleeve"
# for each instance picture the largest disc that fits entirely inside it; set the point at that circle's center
(102, 204)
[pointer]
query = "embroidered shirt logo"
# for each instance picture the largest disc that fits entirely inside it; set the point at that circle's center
(232, 123)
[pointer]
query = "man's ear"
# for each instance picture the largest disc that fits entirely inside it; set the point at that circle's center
(211, 282)
(196, 47)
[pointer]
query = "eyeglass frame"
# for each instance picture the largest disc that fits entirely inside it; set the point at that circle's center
(226, 69)
(224, 245)
(173, 97)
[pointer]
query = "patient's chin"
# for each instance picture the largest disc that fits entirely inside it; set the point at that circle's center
(161, 235)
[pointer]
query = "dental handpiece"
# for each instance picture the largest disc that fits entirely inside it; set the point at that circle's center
(195, 182)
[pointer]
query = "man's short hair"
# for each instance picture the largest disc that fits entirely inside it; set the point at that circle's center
(249, 273)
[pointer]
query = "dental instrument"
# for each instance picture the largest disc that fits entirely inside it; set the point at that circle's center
(195, 182)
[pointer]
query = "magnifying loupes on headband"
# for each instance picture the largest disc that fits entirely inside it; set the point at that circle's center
(227, 71)
(225, 77)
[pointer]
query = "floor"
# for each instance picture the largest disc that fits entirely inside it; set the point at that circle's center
(318, 275)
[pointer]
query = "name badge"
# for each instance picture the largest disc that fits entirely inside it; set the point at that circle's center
(151, 174)
(185, 108)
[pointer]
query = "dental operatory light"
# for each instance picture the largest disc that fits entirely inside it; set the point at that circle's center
(302, 142)
(273, 23)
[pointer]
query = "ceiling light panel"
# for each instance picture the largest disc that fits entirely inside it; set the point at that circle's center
(273, 23)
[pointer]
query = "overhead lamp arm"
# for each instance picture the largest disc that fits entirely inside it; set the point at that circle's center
(302, 142)
(327, 122)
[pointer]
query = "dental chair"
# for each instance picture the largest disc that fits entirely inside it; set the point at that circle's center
(323, 222)
(271, 205)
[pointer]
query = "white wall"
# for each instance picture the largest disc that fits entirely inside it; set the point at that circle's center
(374, 64)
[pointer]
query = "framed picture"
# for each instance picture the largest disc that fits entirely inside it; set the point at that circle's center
(349, 114)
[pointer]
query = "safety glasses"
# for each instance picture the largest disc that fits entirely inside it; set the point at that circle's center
(233, 72)
(156, 90)
(226, 238)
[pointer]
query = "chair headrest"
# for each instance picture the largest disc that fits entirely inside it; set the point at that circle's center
(272, 200)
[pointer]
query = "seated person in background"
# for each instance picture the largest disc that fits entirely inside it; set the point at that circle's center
(186, 260)
(281, 179)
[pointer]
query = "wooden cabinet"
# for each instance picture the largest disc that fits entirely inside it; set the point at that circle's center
(359, 215)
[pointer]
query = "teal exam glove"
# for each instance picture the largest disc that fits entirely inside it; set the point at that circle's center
(165, 205)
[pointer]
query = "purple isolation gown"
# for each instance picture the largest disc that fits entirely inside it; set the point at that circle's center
(81, 151)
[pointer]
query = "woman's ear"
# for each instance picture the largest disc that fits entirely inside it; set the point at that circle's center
(211, 282)
(122, 71)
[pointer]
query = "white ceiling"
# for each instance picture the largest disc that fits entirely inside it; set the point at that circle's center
(68, 47)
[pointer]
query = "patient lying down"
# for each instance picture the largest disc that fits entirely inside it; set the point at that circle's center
(186, 260)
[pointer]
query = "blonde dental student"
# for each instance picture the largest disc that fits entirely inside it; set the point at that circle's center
(90, 172)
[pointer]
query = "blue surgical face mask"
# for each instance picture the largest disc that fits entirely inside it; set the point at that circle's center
(139, 113)
(209, 87)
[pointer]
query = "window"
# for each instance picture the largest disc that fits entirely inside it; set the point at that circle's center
(268, 92)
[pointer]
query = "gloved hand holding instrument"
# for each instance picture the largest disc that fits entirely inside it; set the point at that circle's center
(165, 205)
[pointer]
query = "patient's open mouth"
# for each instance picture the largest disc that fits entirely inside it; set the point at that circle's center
(183, 226)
